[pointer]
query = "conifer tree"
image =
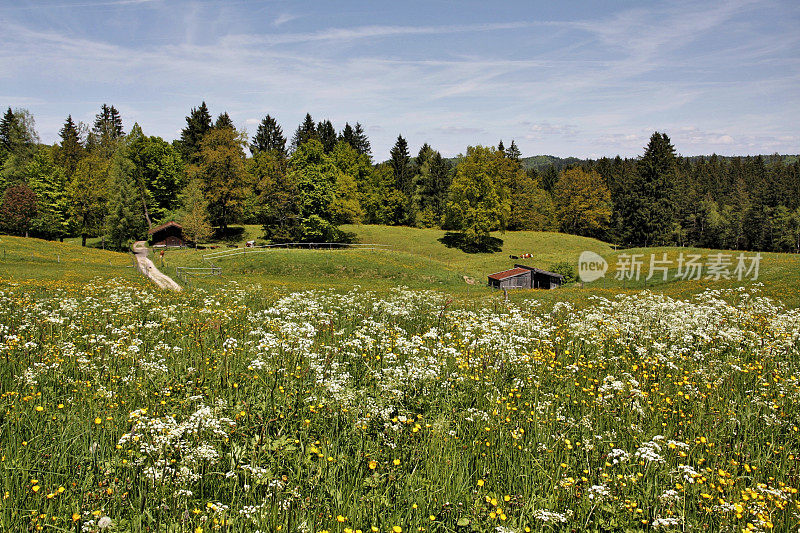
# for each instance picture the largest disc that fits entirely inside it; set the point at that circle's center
(513, 152)
(326, 135)
(647, 208)
(403, 172)
(501, 148)
(107, 128)
(7, 125)
(224, 121)
(198, 123)
(268, 137)
(306, 131)
(124, 222)
(71, 149)
(362, 144)
(434, 183)
(348, 135)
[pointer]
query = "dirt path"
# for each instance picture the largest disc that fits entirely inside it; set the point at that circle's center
(147, 267)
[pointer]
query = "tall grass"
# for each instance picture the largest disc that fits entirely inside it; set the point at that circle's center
(249, 409)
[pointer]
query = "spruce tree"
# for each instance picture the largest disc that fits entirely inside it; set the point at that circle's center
(124, 222)
(306, 131)
(107, 128)
(513, 152)
(361, 141)
(7, 125)
(647, 207)
(71, 149)
(326, 135)
(198, 123)
(434, 184)
(500, 147)
(401, 166)
(224, 121)
(268, 137)
(348, 135)
(403, 172)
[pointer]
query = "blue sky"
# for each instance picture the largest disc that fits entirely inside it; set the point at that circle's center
(563, 78)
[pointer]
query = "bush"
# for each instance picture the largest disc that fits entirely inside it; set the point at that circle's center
(565, 269)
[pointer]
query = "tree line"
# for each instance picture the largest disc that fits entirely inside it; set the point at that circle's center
(100, 180)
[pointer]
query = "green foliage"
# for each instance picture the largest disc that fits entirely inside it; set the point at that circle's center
(88, 194)
(326, 195)
(356, 138)
(647, 201)
(198, 123)
(159, 173)
(268, 137)
(583, 203)
(224, 121)
(278, 197)
(354, 168)
(566, 269)
(305, 132)
(107, 130)
(221, 169)
(49, 181)
(71, 149)
(194, 219)
(433, 188)
(125, 221)
(403, 171)
(326, 135)
(480, 200)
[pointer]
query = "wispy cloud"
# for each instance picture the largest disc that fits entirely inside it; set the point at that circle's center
(598, 85)
(371, 32)
(283, 18)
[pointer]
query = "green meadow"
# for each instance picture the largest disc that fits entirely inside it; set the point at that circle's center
(411, 257)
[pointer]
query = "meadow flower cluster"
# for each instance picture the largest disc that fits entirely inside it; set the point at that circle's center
(127, 409)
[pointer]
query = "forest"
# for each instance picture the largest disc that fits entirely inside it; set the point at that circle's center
(101, 181)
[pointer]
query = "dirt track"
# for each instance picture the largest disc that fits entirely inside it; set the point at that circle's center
(146, 267)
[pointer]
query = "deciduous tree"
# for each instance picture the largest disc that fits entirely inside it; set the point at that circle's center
(18, 209)
(480, 201)
(583, 203)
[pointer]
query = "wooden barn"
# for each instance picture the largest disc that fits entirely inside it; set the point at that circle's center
(525, 277)
(167, 235)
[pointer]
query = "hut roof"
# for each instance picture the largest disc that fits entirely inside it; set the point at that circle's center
(540, 271)
(508, 273)
(170, 224)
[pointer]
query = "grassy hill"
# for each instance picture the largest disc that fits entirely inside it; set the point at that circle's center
(418, 260)
(43, 263)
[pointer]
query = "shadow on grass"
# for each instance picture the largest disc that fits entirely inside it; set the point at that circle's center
(230, 235)
(486, 245)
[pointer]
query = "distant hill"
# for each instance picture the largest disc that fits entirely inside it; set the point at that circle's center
(541, 162)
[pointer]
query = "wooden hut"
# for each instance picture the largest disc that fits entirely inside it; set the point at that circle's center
(168, 235)
(525, 277)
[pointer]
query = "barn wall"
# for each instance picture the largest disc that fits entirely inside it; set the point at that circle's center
(521, 281)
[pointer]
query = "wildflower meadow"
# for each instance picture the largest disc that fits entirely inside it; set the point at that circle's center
(128, 409)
